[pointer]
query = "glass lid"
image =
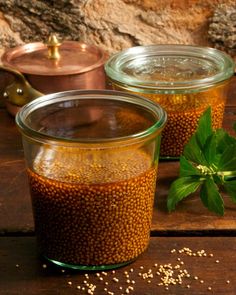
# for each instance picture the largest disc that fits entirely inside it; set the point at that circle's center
(170, 67)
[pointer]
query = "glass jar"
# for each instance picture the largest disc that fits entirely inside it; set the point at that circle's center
(92, 160)
(184, 80)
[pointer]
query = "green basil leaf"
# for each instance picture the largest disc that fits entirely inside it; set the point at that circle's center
(223, 140)
(186, 168)
(193, 152)
(211, 197)
(230, 187)
(204, 129)
(210, 151)
(181, 188)
(228, 159)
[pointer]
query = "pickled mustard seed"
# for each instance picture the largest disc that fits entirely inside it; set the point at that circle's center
(141, 173)
(228, 281)
(211, 255)
(69, 283)
(17, 265)
(209, 288)
(201, 281)
(44, 266)
(62, 270)
(217, 261)
(188, 286)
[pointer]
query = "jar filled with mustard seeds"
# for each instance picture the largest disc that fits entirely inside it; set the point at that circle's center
(183, 79)
(92, 159)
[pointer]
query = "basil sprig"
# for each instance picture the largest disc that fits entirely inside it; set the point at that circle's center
(208, 163)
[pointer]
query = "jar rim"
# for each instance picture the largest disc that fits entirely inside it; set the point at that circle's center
(157, 111)
(129, 66)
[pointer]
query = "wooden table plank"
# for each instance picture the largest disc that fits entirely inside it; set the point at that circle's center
(31, 278)
(15, 205)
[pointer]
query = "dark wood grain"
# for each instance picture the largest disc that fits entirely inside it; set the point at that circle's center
(31, 278)
(15, 205)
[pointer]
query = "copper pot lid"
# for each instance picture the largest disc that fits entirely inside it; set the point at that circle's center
(54, 58)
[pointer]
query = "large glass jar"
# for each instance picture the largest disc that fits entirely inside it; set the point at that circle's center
(183, 79)
(92, 160)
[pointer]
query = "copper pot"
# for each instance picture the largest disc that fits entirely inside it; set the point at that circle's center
(55, 67)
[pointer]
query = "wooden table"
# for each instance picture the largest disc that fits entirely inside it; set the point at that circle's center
(191, 226)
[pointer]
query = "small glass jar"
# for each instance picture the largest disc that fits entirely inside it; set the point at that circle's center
(92, 160)
(184, 80)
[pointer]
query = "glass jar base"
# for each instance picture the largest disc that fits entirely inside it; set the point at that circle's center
(89, 267)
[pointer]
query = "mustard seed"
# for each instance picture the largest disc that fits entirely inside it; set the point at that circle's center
(115, 280)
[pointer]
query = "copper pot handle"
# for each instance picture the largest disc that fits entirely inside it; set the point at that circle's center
(19, 92)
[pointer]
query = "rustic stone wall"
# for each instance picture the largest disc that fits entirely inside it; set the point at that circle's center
(118, 24)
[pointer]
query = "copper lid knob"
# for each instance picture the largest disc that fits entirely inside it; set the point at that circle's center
(53, 47)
